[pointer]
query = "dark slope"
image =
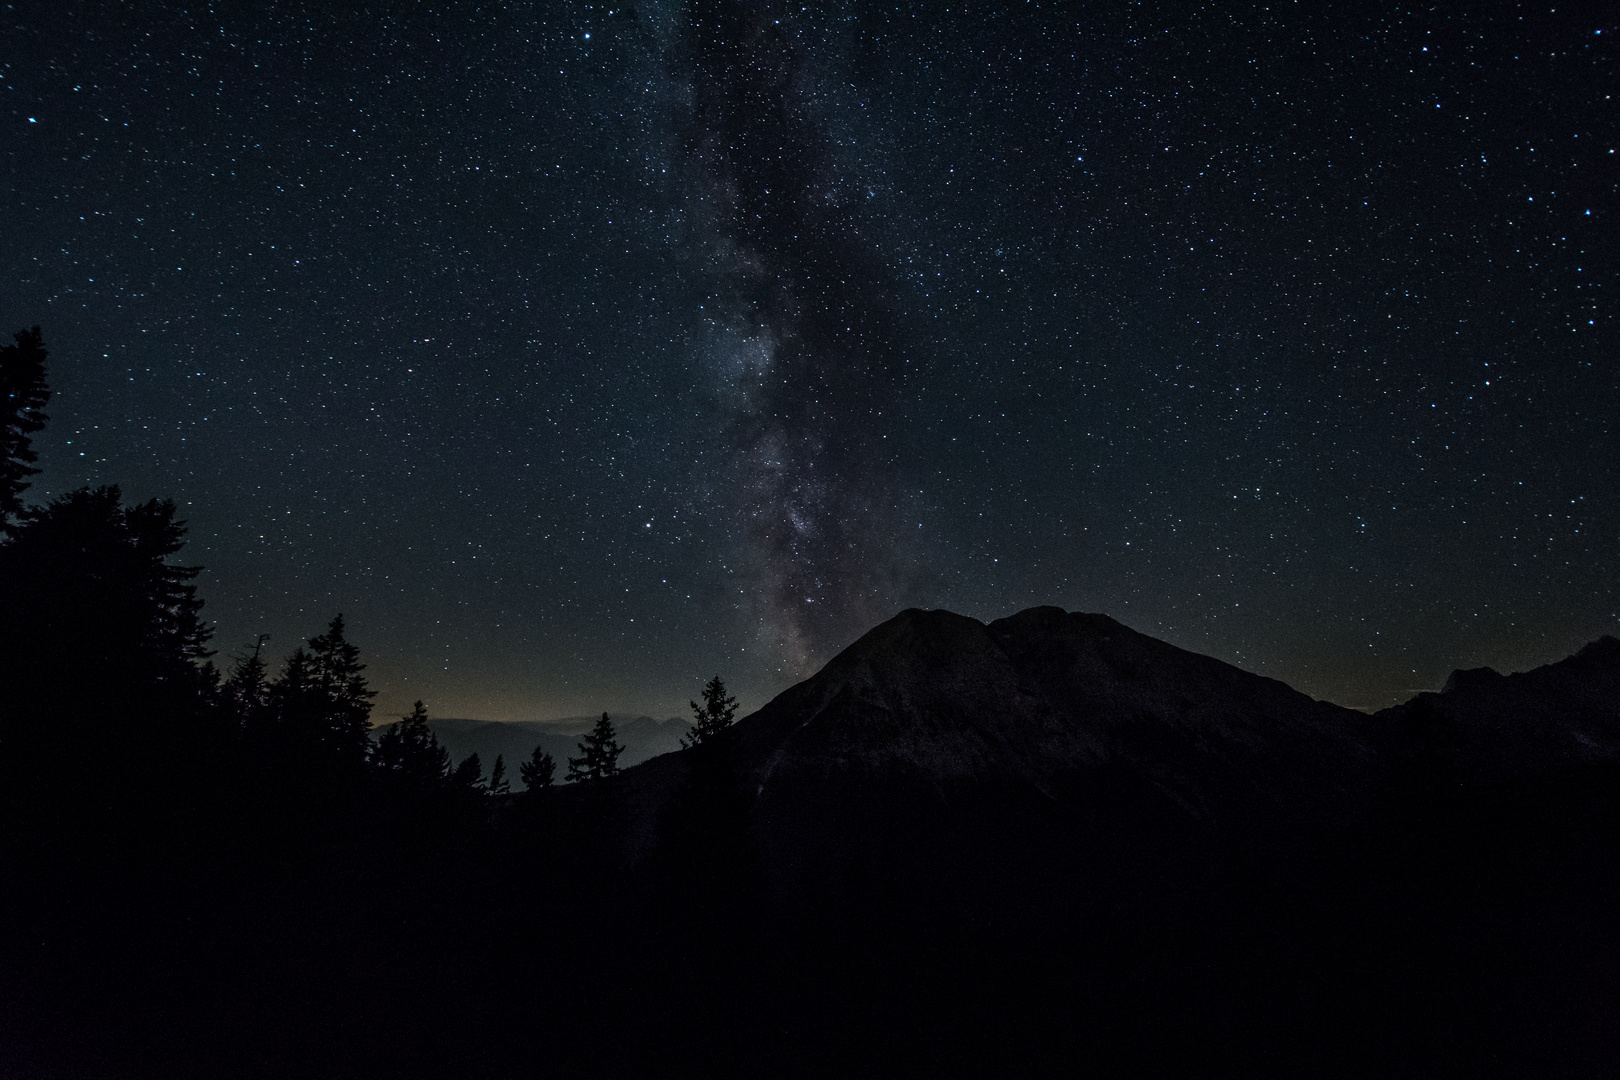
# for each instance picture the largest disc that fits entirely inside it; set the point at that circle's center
(1032, 701)
(1052, 843)
(1490, 726)
(1048, 762)
(939, 745)
(1046, 846)
(940, 696)
(1490, 885)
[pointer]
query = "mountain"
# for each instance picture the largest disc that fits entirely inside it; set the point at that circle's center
(1041, 846)
(1023, 761)
(1106, 849)
(642, 737)
(1490, 726)
(1068, 724)
(1043, 699)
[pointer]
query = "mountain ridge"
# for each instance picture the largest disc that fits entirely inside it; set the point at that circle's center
(1076, 729)
(643, 737)
(1108, 674)
(1493, 725)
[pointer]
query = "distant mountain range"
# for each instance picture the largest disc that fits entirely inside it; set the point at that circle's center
(642, 737)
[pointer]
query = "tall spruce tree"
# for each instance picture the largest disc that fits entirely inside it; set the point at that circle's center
(410, 749)
(23, 396)
(498, 782)
(469, 775)
(599, 754)
(247, 689)
(93, 612)
(335, 669)
(540, 771)
(711, 720)
(294, 716)
(321, 703)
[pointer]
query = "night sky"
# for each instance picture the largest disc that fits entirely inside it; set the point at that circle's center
(578, 352)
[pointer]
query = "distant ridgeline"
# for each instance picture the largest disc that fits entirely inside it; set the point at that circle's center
(1046, 845)
(641, 736)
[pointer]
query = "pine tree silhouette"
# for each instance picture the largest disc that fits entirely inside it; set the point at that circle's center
(711, 719)
(411, 749)
(469, 775)
(321, 703)
(293, 721)
(93, 610)
(498, 783)
(540, 771)
(599, 754)
(247, 690)
(335, 669)
(23, 394)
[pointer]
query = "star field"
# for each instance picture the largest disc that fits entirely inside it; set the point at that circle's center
(575, 353)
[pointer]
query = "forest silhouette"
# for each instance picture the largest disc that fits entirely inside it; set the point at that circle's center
(231, 872)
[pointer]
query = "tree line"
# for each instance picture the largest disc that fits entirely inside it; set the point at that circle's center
(98, 618)
(208, 862)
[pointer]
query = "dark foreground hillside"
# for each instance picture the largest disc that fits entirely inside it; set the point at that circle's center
(1044, 846)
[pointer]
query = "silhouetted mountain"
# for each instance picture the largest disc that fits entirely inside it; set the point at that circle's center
(1046, 703)
(1093, 839)
(932, 721)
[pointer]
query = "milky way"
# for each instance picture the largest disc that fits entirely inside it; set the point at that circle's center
(808, 348)
(580, 352)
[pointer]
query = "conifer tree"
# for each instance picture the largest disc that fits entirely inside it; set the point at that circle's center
(498, 783)
(295, 706)
(23, 394)
(247, 690)
(469, 775)
(321, 703)
(90, 605)
(335, 669)
(540, 771)
(711, 719)
(411, 749)
(295, 674)
(599, 754)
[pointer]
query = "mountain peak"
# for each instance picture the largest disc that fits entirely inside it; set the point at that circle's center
(1470, 680)
(1605, 649)
(939, 695)
(1554, 715)
(951, 732)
